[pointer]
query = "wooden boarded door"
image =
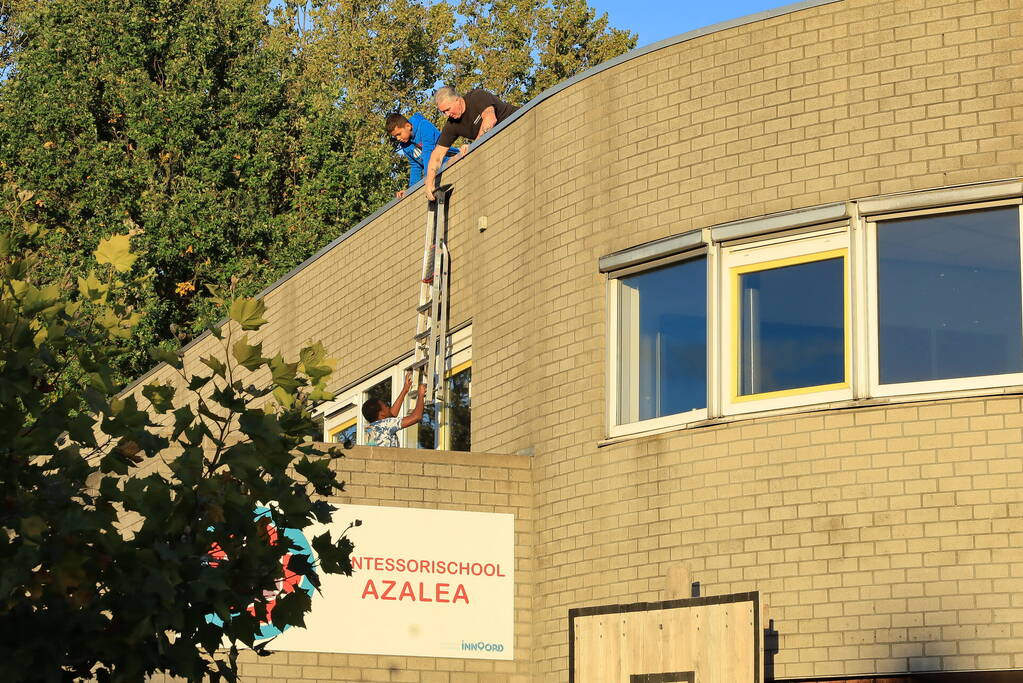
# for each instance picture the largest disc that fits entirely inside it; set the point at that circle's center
(699, 640)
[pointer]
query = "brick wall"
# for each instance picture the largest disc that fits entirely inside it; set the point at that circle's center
(882, 537)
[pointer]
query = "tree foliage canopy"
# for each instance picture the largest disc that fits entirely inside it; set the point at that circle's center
(108, 520)
(237, 137)
(519, 48)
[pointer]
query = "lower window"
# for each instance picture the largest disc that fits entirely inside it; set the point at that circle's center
(343, 421)
(786, 318)
(345, 433)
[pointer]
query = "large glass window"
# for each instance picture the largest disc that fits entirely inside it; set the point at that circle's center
(662, 341)
(792, 325)
(904, 296)
(948, 296)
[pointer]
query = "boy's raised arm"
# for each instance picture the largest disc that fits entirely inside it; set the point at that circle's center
(396, 406)
(417, 413)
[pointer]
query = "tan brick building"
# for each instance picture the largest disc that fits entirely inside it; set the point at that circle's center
(743, 307)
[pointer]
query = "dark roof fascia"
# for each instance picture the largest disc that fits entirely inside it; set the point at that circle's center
(546, 94)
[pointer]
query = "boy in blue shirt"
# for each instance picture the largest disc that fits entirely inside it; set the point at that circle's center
(416, 138)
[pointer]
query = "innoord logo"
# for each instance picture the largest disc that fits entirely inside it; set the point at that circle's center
(480, 646)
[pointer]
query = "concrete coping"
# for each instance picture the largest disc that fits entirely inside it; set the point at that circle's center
(432, 457)
(964, 194)
(786, 220)
(651, 251)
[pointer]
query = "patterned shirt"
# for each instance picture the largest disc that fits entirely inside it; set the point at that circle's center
(383, 432)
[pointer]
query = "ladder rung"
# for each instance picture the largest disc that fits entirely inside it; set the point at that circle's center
(423, 308)
(421, 363)
(422, 336)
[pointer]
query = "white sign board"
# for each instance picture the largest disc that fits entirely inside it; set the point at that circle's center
(427, 583)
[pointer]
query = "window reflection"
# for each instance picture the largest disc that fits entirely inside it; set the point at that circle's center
(792, 327)
(346, 435)
(458, 428)
(380, 390)
(459, 409)
(949, 296)
(662, 341)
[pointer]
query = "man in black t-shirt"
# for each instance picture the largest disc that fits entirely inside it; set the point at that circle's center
(469, 117)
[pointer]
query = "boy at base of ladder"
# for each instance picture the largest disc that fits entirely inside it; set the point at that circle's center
(416, 138)
(384, 423)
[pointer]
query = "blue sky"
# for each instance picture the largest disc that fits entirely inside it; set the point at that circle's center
(655, 20)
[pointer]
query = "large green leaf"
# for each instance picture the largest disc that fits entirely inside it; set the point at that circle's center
(315, 362)
(334, 557)
(284, 374)
(171, 358)
(215, 364)
(248, 313)
(116, 251)
(249, 356)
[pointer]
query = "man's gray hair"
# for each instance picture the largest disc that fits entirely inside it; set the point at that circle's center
(445, 94)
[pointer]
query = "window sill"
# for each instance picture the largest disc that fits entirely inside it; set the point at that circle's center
(1013, 390)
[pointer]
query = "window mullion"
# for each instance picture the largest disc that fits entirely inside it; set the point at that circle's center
(860, 307)
(1020, 213)
(716, 308)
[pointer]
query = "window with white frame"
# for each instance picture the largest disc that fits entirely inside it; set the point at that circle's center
(818, 306)
(660, 349)
(787, 320)
(344, 423)
(947, 308)
(342, 418)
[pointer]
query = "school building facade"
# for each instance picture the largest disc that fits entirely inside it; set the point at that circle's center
(743, 309)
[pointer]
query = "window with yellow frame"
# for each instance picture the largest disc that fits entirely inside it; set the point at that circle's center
(345, 433)
(789, 323)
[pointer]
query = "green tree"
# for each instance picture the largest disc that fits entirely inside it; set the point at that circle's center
(519, 48)
(360, 61)
(182, 118)
(119, 536)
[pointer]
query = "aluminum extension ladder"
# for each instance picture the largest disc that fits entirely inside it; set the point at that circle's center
(430, 341)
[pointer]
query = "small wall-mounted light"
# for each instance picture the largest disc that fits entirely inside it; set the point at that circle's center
(482, 224)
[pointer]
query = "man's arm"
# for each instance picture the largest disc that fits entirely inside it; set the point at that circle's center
(488, 119)
(417, 413)
(396, 406)
(436, 159)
